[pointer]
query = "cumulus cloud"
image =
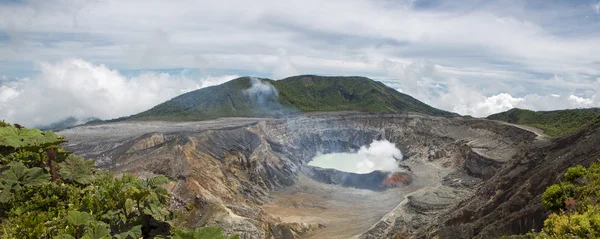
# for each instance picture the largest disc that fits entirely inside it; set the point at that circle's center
(469, 101)
(80, 89)
(379, 155)
(426, 82)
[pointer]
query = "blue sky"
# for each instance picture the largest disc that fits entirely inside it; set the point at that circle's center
(472, 57)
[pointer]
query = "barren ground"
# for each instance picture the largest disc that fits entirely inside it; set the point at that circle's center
(346, 212)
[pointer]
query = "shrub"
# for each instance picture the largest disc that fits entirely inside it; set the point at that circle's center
(575, 205)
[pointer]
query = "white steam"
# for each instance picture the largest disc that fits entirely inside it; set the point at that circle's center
(379, 155)
(259, 88)
(262, 93)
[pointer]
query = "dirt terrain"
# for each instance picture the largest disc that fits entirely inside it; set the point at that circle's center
(249, 175)
(344, 212)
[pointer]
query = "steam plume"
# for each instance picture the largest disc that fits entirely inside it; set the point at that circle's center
(379, 155)
(261, 92)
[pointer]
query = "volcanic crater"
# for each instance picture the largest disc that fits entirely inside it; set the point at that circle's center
(251, 176)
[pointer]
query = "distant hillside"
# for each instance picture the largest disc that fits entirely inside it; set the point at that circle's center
(250, 97)
(553, 123)
(322, 93)
(66, 123)
(236, 98)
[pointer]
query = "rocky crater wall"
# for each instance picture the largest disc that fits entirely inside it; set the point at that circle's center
(226, 171)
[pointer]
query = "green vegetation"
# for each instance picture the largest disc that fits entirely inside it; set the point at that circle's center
(575, 205)
(295, 94)
(553, 123)
(206, 232)
(46, 192)
(225, 100)
(322, 93)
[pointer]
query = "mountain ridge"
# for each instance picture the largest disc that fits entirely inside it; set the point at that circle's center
(261, 97)
(554, 123)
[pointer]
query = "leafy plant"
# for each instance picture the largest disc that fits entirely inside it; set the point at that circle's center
(17, 176)
(202, 233)
(75, 169)
(13, 137)
(555, 196)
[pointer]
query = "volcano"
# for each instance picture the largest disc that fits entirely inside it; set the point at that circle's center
(259, 97)
(249, 174)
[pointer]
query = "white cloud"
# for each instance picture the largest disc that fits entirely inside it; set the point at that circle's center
(81, 89)
(423, 80)
(468, 101)
(171, 34)
(596, 7)
(285, 68)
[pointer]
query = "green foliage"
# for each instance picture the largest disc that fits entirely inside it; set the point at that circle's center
(320, 93)
(96, 230)
(81, 202)
(75, 169)
(584, 224)
(4, 124)
(83, 225)
(13, 137)
(575, 205)
(202, 233)
(553, 123)
(574, 173)
(225, 100)
(16, 176)
(134, 232)
(555, 196)
(77, 218)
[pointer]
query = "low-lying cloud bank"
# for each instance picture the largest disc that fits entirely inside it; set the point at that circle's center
(438, 87)
(469, 101)
(80, 89)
